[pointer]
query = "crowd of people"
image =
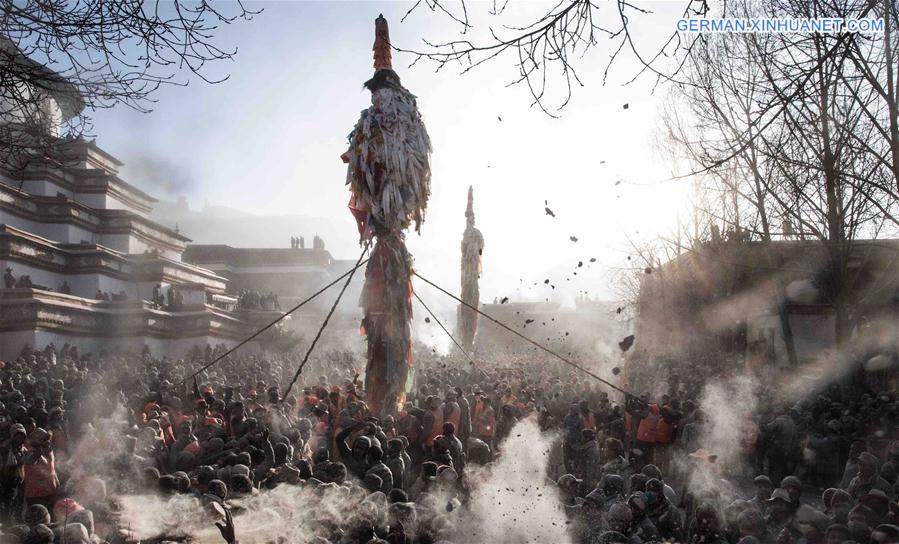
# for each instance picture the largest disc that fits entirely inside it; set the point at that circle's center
(254, 300)
(78, 432)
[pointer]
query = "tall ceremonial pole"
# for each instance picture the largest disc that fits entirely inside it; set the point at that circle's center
(472, 247)
(389, 174)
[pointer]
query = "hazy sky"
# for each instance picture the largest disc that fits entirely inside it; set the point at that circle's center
(268, 141)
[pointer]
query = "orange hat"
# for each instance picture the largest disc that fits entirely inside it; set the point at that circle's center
(381, 47)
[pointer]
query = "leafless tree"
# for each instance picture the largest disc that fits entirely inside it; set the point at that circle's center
(59, 60)
(549, 46)
(875, 61)
(812, 157)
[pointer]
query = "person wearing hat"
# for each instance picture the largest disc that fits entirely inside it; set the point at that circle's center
(812, 524)
(652, 471)
(664, 515)
(707, 526)
(641, 526)
(885, 534)
(346, 418)
(850, 471)
(612, 486)
(379, 469)
(793, 485)
(619, 519)
(507, 422)
(780, 513)
(615, 461)
(763, 490)
(395, 462)
(570, 489)
(320, 436)
(751, 523)
(425, 481)
(878, 502)
(13, 455)
(859, 523)
(590, 523)
(868, 478)
(356, 457)
(840, 504)
(781, 439)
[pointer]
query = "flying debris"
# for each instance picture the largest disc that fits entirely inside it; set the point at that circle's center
(616, 371)
(546, 281)
(549, 212)
(625, 106)
(504, 300)
(647, 270)
(617, 182)
(500, 118)
(528, 321)
(592, 259)
(626, 343)
(602, 162)
(618, 310)
(427, 320)
(580, 264)
(573, 238)
(481, 252)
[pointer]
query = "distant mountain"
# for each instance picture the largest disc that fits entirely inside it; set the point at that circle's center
(237, 228)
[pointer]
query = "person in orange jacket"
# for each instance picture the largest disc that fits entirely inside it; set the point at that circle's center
(484, 419)
(647, 428)
(40, 479)
(432, 422)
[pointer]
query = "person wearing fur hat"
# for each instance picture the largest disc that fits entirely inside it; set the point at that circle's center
(780, 513)
(356, 457)
(868, 478)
